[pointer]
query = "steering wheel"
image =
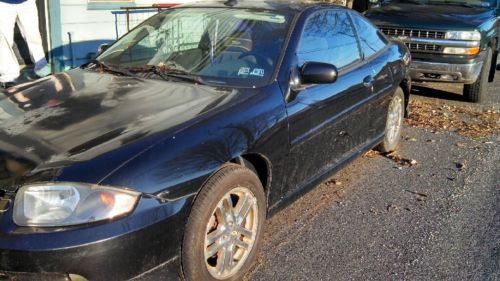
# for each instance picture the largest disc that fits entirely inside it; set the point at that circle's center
(259, 59)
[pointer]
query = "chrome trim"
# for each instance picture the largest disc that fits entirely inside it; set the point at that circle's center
(464, 73)
(411, 32)
(424, 48)
(442, 42)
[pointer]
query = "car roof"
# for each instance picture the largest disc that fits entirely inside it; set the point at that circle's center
(296, 6)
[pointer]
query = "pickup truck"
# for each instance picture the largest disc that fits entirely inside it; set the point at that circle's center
(453, 41)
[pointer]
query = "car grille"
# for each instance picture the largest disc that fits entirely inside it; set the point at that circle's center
(391, 31)
(428, 48)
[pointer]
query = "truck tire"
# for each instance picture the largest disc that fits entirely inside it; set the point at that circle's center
(476, 91)
(493, 67)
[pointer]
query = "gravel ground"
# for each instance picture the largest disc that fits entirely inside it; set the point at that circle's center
(378, 219)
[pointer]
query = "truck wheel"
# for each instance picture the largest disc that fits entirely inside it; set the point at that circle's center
(476, 91)
(394, 123)
(225, 227)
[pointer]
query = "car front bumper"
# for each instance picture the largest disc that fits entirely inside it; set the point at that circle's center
(428, 71)
(116, 250)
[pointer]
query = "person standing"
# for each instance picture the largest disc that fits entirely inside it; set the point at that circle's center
(7, 59)
(25, 14)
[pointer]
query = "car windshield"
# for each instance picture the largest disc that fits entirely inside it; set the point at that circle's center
(226, 46)
(467, 3)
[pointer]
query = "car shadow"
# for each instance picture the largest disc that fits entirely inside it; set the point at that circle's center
(429, 92)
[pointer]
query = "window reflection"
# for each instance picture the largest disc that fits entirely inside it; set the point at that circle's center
(371, 40)
(225, 46)
(329, 37)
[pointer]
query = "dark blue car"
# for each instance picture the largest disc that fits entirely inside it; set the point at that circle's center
(175, 144)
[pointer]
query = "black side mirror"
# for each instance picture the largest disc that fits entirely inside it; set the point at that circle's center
(102, 48)
(318, 73)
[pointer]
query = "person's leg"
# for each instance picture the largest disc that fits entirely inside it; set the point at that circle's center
(9, 66)
(28, 24)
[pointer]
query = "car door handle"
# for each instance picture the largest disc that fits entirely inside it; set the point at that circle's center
(368, 81)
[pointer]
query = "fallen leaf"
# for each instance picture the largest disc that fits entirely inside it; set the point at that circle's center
(459, 166)
(463, 120)
(392, 206)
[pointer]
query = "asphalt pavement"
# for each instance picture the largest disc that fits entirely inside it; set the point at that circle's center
(382, 218)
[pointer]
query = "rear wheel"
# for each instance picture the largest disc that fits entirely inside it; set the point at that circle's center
(225, 226)
(394, 123)
(476, 91)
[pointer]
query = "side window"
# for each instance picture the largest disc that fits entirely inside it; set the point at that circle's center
(328, 37)
(370, 38)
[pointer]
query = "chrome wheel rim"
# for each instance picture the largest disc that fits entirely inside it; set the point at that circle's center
(394, 119)
(231, 232)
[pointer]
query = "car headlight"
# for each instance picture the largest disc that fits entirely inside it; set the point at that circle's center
(463, 35)
(63, 204)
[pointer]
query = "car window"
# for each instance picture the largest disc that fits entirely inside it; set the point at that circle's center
(328, 37)
(237, 47)
(370, 38)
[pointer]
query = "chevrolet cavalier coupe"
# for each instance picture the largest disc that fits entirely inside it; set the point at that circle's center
(173, 146)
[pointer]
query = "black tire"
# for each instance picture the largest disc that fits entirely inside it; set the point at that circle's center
(229, 178)
(396, 110)
(493, 68)
(476, 91)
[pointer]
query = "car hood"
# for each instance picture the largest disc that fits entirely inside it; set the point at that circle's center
(434, 17)
(79, 115)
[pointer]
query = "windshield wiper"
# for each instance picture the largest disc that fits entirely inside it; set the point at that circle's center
(416, 2)
(183, 75)
(413, 2)
(169, 73)
(455, 3)
(108, 68)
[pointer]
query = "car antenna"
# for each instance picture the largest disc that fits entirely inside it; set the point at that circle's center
(231, 3)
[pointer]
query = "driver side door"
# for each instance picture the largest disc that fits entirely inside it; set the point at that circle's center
(327, 122)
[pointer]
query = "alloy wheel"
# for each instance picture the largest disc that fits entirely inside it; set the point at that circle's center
(394, 119)
(231, 233)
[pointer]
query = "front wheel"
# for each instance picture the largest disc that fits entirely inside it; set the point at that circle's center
(476, 91)
(394, 123)
(225, 226)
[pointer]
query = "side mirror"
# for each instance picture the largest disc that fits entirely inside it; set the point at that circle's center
(318, 73)
(102, 48)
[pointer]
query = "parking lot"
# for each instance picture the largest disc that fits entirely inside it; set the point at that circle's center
(429, 212)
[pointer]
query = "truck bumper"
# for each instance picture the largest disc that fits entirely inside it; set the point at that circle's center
(426, 71)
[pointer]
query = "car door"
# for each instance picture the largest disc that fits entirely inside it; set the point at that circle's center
(375, 52)
(327, 121)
